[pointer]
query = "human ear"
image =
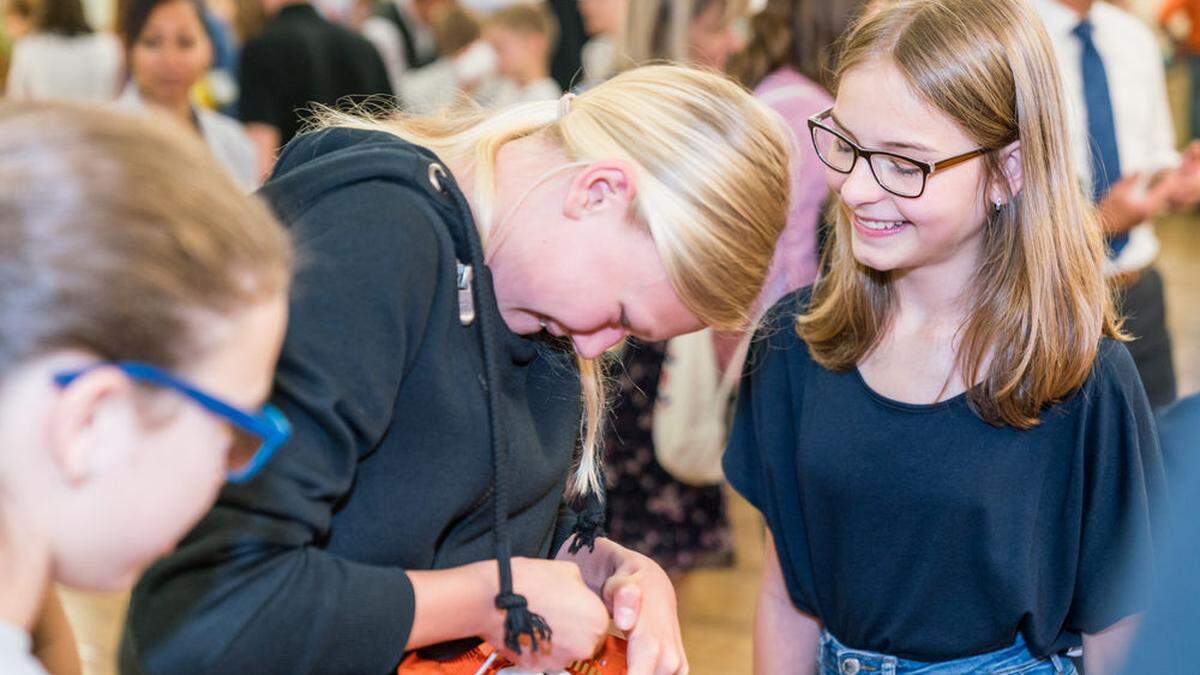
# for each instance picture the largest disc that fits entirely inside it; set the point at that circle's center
(73, 429)
(1010, 170)
(600, 185)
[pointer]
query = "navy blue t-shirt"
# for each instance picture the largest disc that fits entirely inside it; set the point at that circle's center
(923, 532)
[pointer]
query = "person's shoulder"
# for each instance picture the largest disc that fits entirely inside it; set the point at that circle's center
(390, 178)
(789, 307)
(1114, 374)
(368, 149)
(227, 128)
(777, 330)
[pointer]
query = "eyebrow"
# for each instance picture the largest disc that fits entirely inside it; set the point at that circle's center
(892, 145)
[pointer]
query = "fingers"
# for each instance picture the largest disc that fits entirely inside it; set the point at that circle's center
(642, 656)
(626, 606)
(646, 656)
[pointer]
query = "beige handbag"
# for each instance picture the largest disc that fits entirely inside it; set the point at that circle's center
(692, 408)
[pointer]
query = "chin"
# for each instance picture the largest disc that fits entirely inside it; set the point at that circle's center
(876, 260)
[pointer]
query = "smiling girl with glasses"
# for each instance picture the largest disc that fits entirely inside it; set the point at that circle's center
(142, 307)
(946, 435)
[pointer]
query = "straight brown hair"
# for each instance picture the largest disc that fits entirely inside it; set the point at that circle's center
(797, 34)
(62, 17)
(1041, 303)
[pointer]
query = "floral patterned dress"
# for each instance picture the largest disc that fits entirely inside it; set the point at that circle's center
(680, 526)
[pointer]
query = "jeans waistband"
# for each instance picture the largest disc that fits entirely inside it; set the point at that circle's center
(838, 659)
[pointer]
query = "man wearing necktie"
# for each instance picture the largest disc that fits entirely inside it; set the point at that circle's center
(1124, 140)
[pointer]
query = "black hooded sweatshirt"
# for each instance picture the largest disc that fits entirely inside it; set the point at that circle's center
(391, 465)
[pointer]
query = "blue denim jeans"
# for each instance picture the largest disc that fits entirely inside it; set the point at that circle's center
(836, 658)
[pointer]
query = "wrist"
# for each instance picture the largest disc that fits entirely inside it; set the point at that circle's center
(596, 565)
(483, 582)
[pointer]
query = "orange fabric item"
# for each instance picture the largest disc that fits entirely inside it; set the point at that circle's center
(610, 661)
(1191, 8)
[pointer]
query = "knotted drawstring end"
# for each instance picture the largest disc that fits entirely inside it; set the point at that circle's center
(520, 622)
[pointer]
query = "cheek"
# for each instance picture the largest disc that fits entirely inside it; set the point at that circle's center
(834, 180)
(200, 56)
(142, 62)
(946, 211)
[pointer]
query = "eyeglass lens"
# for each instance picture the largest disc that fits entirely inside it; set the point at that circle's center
(894, 173)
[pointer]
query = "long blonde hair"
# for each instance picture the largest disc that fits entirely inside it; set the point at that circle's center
(712, 169)
(1041, 304)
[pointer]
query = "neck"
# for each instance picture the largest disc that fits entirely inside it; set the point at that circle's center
(1080, 7)
(180, 110)
(24, 571)
(521, 165)
(530, 174)
(935, 295)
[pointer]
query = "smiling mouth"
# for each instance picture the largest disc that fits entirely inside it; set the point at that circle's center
(881, 225)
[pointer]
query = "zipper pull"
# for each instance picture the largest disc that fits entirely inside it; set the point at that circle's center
(466, 301)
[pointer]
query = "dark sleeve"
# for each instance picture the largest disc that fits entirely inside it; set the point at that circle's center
(564, 526)
(1124, 487)
(380, 82)
(742, 461)
(251, 589)
(258, 86)
(764, 383)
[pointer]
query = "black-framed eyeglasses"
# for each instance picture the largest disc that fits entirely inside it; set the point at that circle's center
(899, 175)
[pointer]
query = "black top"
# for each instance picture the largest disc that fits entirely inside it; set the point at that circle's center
(300, 58)
(303, 570)
(923, 532)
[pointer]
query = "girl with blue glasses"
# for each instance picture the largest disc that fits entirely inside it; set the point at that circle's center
(142, 308)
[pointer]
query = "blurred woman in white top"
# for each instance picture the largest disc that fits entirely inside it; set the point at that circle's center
(169, 52)
(63, 58)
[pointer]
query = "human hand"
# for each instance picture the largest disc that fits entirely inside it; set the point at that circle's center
(555, 590)
(642, 602)
(1132, 200)
(1185, 192)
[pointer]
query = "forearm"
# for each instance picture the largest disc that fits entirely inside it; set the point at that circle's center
(1105, 652)
(786, 640)
(212, 605)
(452, 604)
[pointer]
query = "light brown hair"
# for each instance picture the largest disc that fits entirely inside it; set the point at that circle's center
(657, 30)
(119, 234)
(454, 30)
(528, 18)
(1041, 304)
(797, 34)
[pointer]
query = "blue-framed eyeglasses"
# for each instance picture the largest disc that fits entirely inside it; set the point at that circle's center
(256, 436)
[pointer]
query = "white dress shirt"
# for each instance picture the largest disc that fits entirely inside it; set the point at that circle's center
(1137, 86)
(225, 137)
(81, 68)
(389, 41)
